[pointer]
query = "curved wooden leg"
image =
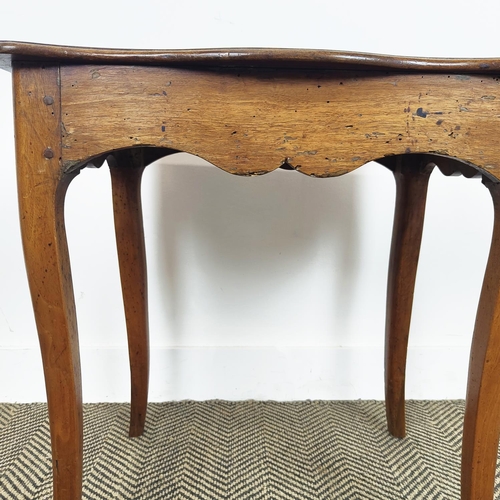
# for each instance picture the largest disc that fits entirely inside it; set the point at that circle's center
(126, 171)
(42, 186)
(412, 177)
(482, 409)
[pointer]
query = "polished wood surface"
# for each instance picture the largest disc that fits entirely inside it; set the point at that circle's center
(42, 187)
(252, 122)
(126, 169)
(248, 111)
(412, 173)
(482, 411)
(239, 57)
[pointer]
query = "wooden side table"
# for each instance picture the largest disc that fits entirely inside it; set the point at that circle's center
(249, 112)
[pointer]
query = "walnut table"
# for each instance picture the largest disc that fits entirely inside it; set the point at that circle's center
(248, 112)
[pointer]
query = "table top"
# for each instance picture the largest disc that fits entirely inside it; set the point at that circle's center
(240, 57)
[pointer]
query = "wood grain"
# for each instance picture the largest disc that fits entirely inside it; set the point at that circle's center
(482, 411)
(241, 57)
(42, 186)
(251, 122)
(126, 169)
(412, 174)
(247, 111)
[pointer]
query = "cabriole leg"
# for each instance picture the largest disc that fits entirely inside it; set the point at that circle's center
(126, 169)
(482, 409)
(412, 177)
(42, 186)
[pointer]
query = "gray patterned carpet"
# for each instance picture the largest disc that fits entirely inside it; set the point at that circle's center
(244, 450)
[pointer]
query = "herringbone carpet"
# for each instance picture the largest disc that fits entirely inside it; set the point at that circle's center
(244, 450)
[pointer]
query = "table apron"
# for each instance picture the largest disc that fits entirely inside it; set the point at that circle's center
(252, 121)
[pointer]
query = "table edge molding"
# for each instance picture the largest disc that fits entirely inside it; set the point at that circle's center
(322, 59)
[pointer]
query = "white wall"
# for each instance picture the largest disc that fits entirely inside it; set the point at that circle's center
(269, 287)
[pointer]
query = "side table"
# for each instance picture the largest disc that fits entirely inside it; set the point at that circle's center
(247, 111)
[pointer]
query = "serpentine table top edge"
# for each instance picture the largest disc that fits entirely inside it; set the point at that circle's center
(323, 59)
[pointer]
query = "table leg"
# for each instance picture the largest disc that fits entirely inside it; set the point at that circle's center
(42, 185)
(126, 169)
(482, 409)
(412, 177)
